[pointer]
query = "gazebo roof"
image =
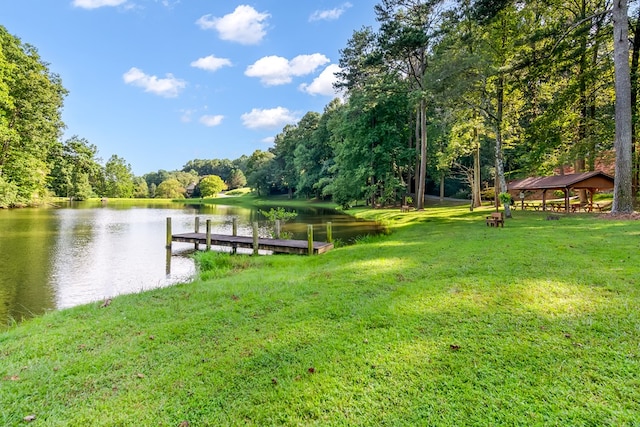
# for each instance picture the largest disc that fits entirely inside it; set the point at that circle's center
(586, 180)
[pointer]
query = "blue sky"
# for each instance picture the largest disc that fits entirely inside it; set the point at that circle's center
(162, 82)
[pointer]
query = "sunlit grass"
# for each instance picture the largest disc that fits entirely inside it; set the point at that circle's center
(443, 322)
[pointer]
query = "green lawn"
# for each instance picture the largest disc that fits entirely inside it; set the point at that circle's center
(444, 322)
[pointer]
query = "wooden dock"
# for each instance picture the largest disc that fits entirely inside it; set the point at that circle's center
(255, 243)
(277, 246)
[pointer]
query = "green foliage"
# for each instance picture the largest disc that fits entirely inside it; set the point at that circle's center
(8, 193)
(211, 185)
(505, 198)
(237, 179)
(170, 189)
(260, 167)
(279, 214)
(118, 178)
(31, 99)
(223, 168)
(140, 188)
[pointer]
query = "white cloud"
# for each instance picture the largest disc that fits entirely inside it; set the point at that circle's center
(329, 15)
(269, 119)
(211, 121)
(268, 140)
(168, 87)
(211, 63)
(245, 25)
(323, 84)
(94, 4)
(276, 70)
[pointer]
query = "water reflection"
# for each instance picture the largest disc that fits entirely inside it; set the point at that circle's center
(58, 258)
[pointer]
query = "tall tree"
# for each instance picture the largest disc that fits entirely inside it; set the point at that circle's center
(260, 172)
(622, 192)
(407, 30)
(74, 167)
(31, 99)
(118, 178)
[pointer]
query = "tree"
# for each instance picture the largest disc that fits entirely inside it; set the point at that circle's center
(211, 185)
(260, 172)
(140, 188)
(237, 179)
(118, 178)
(407, 30)
(31, 100)
(222, 168)
(622, 192)
(170, 189)
(369, 142)
(314, 155)
(74, 165)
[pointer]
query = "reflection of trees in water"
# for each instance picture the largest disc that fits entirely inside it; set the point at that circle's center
(28, 236)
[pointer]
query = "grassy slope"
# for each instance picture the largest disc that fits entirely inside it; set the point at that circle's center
(445, 322)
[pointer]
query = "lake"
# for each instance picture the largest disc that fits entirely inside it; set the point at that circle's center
(54, 258)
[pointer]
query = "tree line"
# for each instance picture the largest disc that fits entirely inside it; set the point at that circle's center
(464, 96)
(440, 97)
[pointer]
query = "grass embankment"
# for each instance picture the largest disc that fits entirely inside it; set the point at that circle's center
(444, 322)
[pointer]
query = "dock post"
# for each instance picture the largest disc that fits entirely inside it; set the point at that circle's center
(168, 246)
(310, 238)
(234, 227)
(329, 232)
(255, 238)
(197, 230)
(208, 234)
(167, 262)
(278, 226)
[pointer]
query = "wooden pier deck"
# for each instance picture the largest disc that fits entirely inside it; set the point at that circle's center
(278, 246)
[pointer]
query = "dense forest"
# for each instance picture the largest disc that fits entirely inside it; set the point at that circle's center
(449, 98)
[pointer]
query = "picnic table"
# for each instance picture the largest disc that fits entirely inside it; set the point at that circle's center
(534, 206)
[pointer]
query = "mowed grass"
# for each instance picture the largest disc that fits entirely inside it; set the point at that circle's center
(444, 322)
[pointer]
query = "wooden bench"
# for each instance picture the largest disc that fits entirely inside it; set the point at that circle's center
(404, 208)
(495, 220)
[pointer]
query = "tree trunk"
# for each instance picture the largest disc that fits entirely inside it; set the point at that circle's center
(499, 155)
(635, 150)
(622, 191)
(475, 187)
(423, 156)
(416, 185)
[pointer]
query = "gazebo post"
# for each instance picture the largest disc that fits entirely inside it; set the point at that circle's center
(566, 199)
(544, 199)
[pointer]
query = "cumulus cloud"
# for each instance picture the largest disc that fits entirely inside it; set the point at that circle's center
(211, 121)
(211, 63)
(329, 15)
(323, 84)
(268, 118)
(268, 140)
(244, 25)
(168, 87)
(94, 4)
(276, 70)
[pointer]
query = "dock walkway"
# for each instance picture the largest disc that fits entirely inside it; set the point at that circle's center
(280, 246)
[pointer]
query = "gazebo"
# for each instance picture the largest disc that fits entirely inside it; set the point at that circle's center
(591, 181)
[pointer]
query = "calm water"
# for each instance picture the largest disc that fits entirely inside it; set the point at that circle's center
(57, 258)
